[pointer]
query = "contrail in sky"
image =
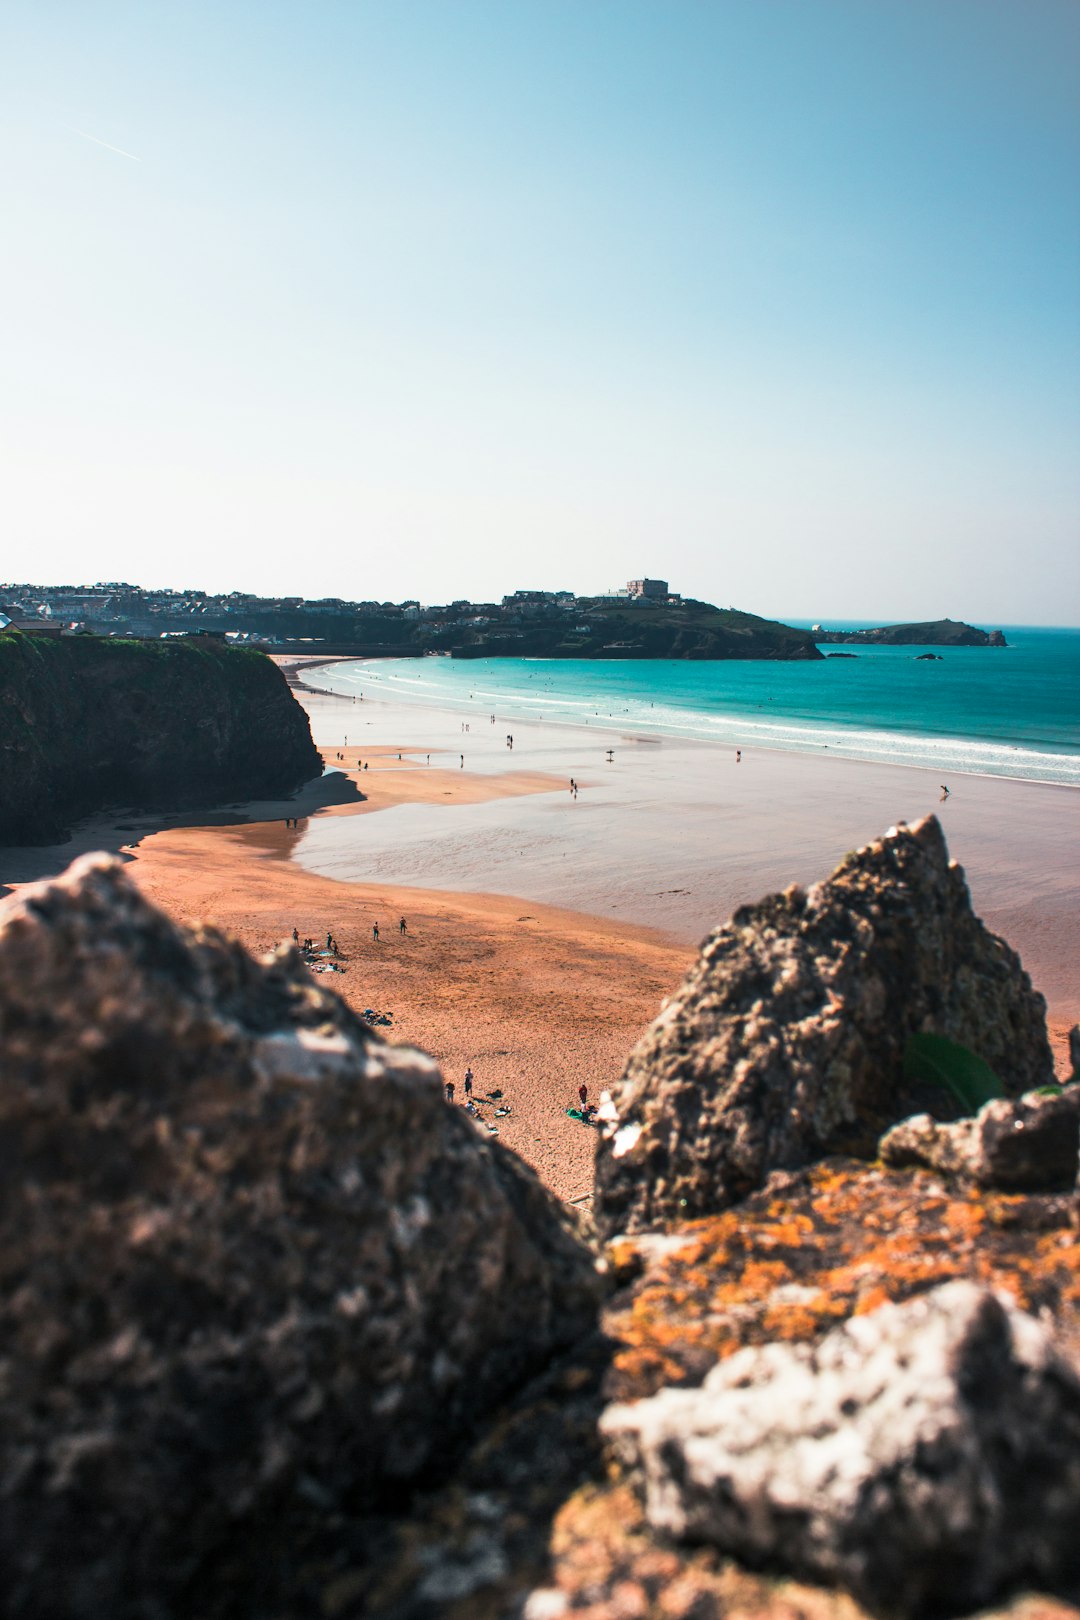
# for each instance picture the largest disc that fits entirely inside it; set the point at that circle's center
(119, 150)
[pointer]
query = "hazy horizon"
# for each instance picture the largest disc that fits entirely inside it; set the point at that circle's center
(780, 303)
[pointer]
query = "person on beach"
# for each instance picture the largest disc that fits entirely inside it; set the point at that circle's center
(403, 927)
(944, 793)
(738, 756)
(295, 937)
(583, 1094)
(329, 941)
(375, 931)
(468, 1082)
(463, 762)
(450, 1091)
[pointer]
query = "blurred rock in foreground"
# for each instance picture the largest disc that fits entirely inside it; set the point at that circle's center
(253, 1271)
(923, 1455)
(1022, 1144)
(787, 1040)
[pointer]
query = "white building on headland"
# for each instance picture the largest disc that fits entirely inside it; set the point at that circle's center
(654, 589)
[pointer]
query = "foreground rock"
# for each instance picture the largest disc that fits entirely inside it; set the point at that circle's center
(925, 1455)
(252, 1268)
(538, 1506)
(787, 1040)
(1025, 1145)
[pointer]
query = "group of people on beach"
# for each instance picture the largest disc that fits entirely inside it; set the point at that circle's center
(467, 1086)
(403, 928)
(308, 945)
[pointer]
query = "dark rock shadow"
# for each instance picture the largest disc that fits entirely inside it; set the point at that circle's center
(120, 831)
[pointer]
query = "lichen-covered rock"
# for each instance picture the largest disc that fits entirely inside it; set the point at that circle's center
(251, 1266)
(924, 1455)
(787, 1040)
(1028, 1144)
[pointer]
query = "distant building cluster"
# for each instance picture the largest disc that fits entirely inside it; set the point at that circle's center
(116, 608)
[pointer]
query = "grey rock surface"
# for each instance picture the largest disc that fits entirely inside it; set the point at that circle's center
(1029, 1144)
(925, 1456)
(251, 1265)
(786, 1042)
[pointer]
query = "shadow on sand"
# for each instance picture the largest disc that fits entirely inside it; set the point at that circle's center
(122, 830)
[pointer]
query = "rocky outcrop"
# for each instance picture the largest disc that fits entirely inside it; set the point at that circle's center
(787, 1040)
(255, 1275)
(924, 1455)
(931, 633)
(88, 724)
(1025, 1145)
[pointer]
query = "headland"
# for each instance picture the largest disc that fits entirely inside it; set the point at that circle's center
(89, 724)
(930, 633)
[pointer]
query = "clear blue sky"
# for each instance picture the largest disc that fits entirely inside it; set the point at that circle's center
(778, 299)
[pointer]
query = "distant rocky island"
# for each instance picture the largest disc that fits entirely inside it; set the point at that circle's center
(88, 724)
(643, 620)
(933, 633)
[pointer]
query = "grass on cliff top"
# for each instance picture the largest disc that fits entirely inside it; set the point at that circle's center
(19, 647)
(688, 611)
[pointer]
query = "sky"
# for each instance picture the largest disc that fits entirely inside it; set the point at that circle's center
(777, 300)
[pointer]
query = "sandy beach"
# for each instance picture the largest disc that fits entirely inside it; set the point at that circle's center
(544, 930)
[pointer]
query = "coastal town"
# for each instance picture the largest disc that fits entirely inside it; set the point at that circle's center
(642, 619)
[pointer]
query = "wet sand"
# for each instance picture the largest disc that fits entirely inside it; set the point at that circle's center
(674, 834)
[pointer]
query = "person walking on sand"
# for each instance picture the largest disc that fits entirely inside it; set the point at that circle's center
(463, 762)
(450, 1091)
(468, 1082)
(403, 926)
(583, 1094)
(375, 931)
(738, 756)
(944, 793)
(295, 937)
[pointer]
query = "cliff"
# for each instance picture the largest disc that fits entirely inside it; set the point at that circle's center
(934, 633)
(88, 725)
(642, 629)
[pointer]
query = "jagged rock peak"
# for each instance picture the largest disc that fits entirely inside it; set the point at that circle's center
(925, 1455)
(786, 1041)
(252, 1267)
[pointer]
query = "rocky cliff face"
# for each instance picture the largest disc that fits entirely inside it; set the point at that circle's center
(89, 725)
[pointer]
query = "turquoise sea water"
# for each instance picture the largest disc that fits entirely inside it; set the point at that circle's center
(1012, 711)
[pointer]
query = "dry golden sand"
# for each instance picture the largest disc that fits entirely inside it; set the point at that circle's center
(535, 999)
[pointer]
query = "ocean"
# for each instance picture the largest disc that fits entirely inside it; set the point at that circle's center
(996, 711)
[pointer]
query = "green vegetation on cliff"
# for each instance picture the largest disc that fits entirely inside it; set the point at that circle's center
(88, 725)
(603, 628)
(932, 633)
